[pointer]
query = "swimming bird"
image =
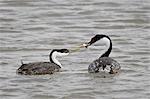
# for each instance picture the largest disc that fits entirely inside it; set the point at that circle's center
(39, 68)
(104, 62)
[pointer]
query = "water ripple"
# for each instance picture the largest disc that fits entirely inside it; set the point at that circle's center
(30, 29)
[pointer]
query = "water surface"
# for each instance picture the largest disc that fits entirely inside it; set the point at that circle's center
(29, 29)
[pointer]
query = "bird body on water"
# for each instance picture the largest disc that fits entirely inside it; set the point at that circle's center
(39, 68)
(104, 62)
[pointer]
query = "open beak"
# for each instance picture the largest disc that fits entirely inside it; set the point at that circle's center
(85, 45)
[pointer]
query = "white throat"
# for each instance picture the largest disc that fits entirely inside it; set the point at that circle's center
(55, 54)
(106, 42)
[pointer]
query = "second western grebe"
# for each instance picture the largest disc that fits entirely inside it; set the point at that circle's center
(104, 62)
(38, 68)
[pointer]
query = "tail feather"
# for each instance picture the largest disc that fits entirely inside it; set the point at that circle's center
(22, 62)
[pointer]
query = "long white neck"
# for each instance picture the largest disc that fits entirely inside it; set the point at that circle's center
(54, 58)
(108, 44)
(106, 41)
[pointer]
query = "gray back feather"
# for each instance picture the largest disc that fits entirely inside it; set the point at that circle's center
(103, 62)
(38, 68)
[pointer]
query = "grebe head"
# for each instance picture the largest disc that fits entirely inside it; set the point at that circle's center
(103, 38)
(97, 37)
(58, 52)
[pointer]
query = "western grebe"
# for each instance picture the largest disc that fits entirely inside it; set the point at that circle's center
(104, 62)
(39, 68)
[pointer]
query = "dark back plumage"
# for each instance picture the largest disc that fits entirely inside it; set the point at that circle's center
(39, 68)
(102, 63)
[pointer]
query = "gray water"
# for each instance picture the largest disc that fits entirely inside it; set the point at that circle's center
(29, 29)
